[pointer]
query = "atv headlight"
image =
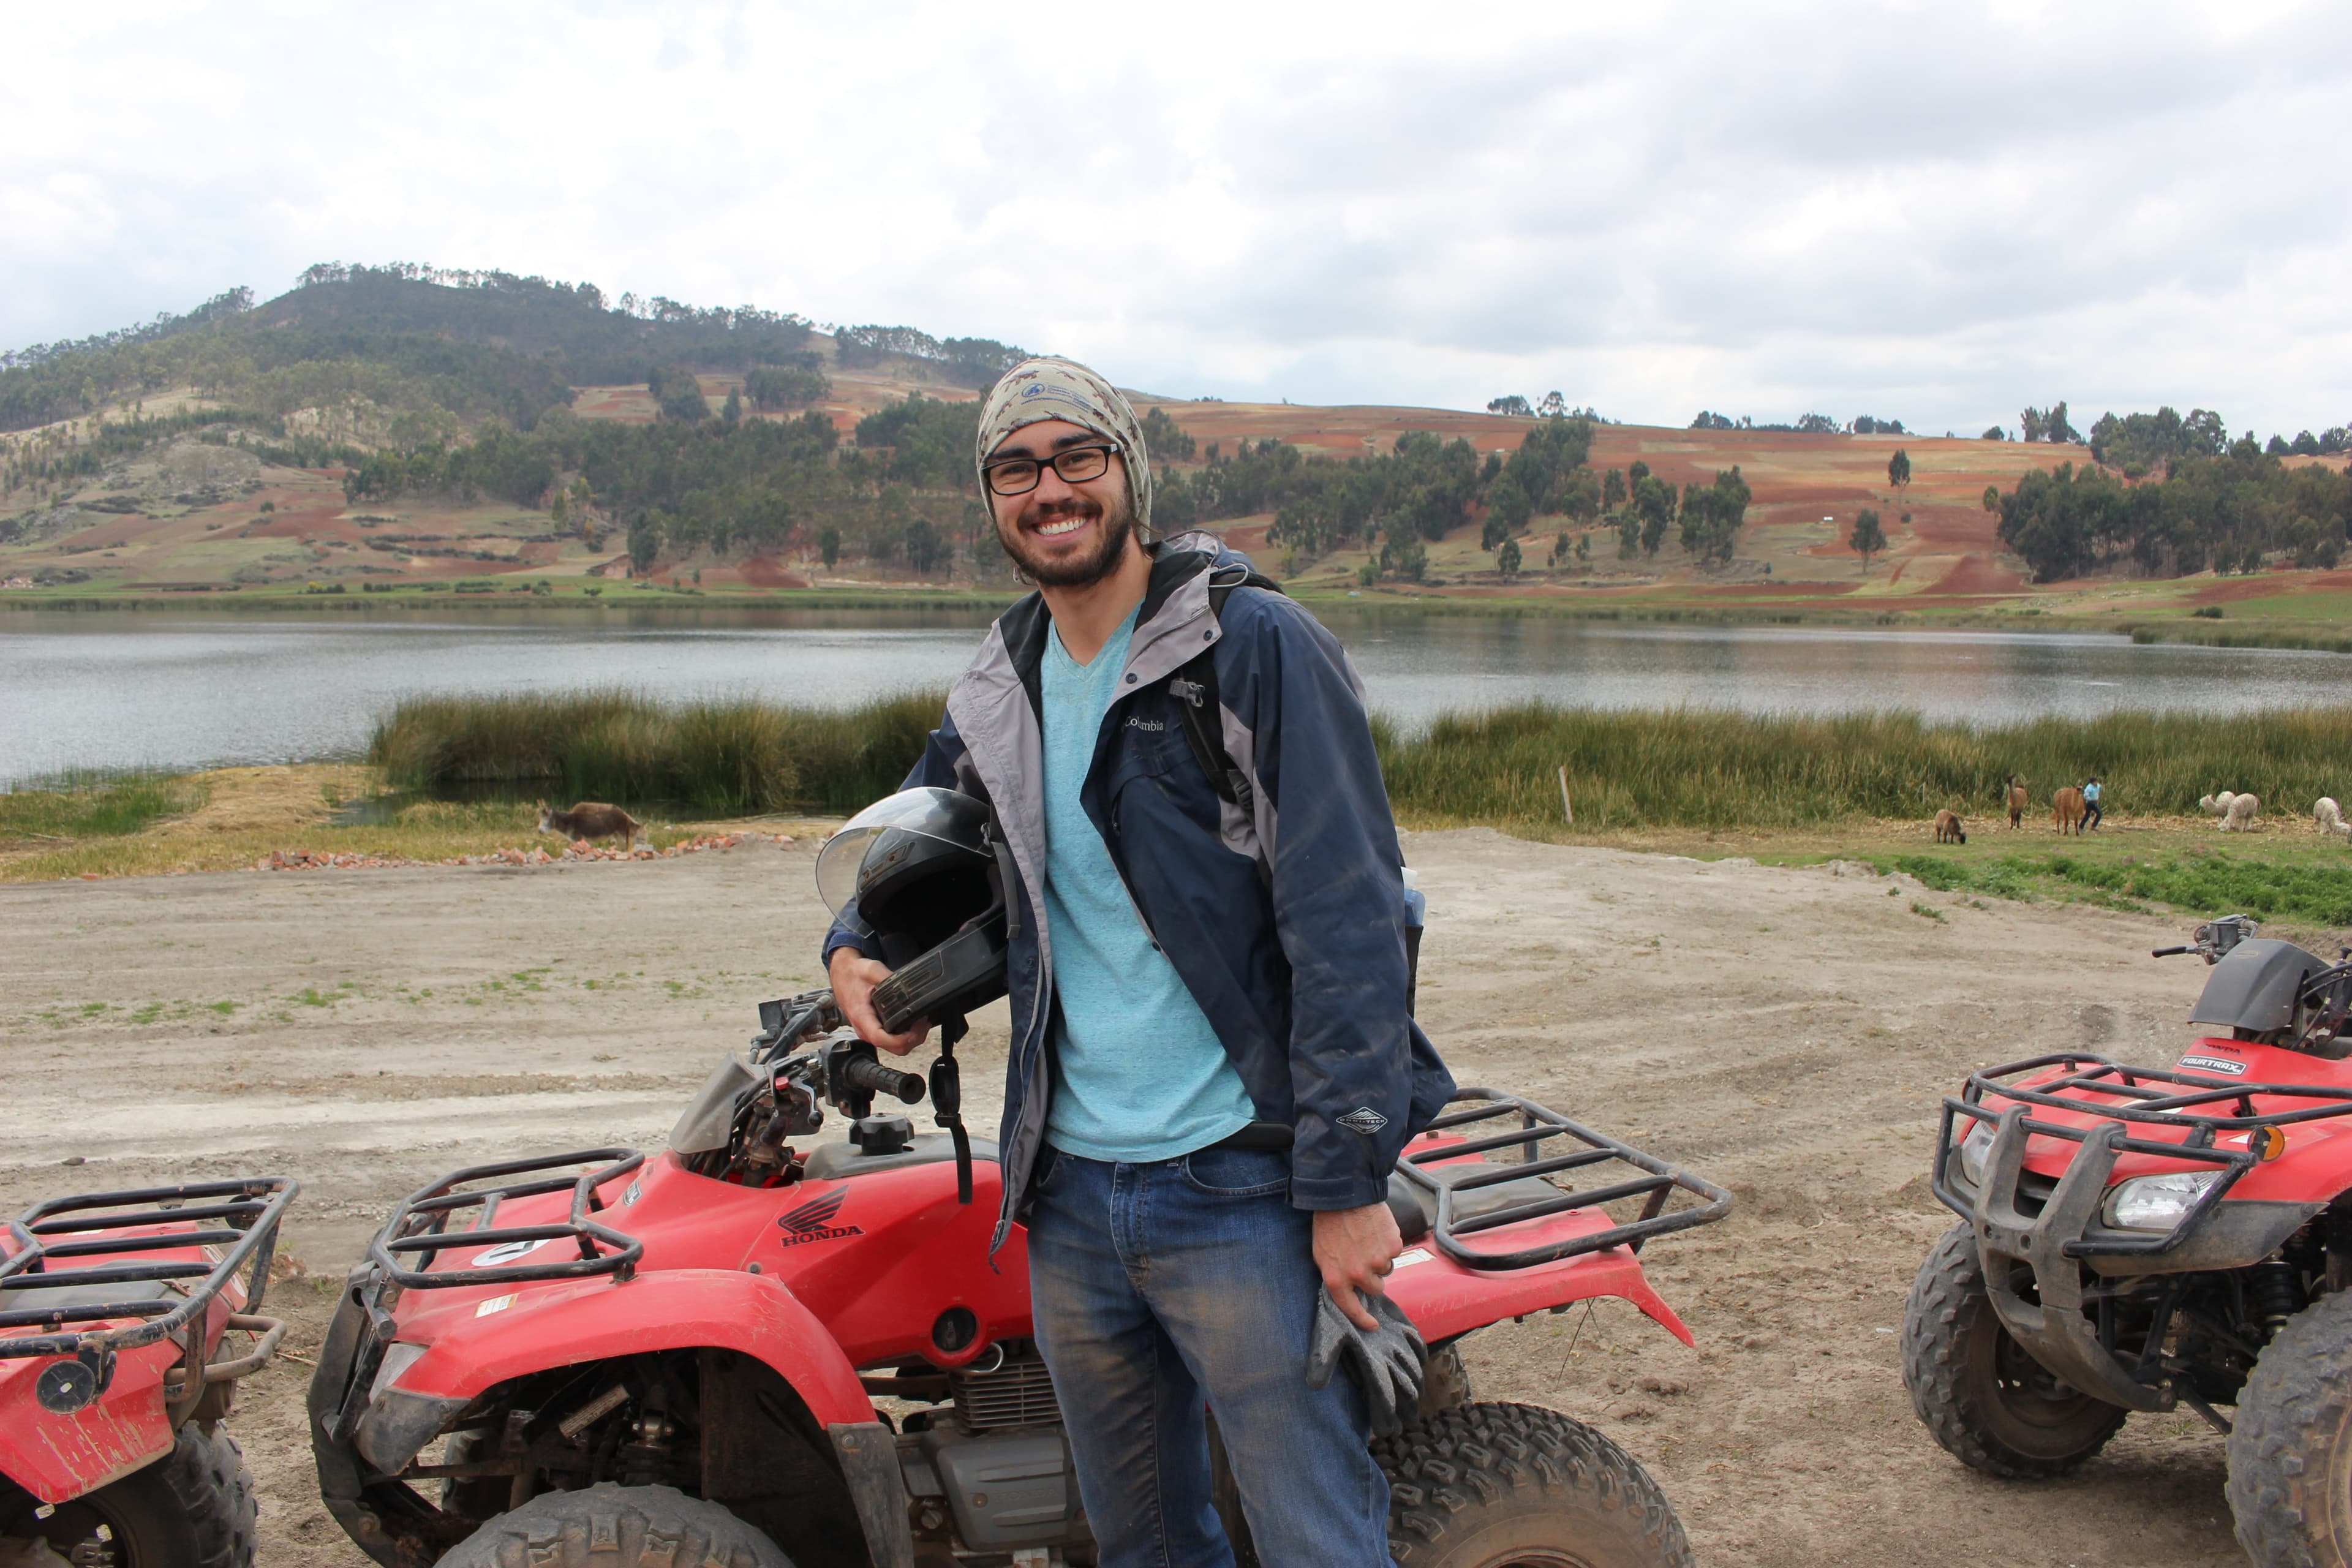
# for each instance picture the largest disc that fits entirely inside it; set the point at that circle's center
(2157, 1202)
(1975, 1150)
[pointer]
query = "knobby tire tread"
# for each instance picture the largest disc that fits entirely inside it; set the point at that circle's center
(209, 1484)
(2294, 1419)
(609, 1526)
(1491, 1459)
(1948, 1302)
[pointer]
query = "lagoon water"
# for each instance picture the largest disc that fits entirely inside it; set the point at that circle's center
(115, 690)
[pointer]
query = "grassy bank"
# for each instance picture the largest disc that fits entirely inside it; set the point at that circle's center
(1626, 770)
(727, 757)
(1713, 769)
(96, 806)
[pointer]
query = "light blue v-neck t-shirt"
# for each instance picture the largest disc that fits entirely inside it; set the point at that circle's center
(1138, 1074)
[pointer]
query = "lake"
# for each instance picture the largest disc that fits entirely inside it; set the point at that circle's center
(123, 688)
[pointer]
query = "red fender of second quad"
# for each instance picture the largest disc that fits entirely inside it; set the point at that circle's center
(476, 1342)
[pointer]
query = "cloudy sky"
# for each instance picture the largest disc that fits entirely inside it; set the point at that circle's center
(1933, 211)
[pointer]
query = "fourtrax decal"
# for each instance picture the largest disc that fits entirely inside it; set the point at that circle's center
(812, 1221)
(2229, 1065)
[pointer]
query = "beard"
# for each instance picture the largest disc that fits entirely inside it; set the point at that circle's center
(1114, 524)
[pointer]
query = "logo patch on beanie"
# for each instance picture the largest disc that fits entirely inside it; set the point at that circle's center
(1364, 1119)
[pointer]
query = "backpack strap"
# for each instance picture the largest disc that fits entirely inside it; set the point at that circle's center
(1195, 687)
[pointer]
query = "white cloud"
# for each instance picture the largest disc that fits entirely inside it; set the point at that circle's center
(1912, 210)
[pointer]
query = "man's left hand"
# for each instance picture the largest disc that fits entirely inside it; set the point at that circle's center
(1355, 1248)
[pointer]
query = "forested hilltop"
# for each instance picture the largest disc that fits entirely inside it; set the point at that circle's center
(383, 428)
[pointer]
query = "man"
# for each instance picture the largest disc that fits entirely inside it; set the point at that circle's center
(1212, 1070)
(2092, 814)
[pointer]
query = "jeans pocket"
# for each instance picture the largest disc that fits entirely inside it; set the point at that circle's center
(1042, 1175)
(1237, 1172)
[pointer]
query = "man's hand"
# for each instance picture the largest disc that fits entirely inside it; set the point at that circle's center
(1355, 1248)
(854, 977)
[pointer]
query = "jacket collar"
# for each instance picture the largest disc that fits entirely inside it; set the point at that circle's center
(1174, 598)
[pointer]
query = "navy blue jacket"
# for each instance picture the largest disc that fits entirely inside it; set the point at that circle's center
(1300, 969)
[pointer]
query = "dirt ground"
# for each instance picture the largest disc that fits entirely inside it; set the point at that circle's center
(1783, 1031)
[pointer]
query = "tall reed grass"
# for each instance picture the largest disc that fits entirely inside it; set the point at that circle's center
(1712, 768)
(726, 756)
(1681, 768)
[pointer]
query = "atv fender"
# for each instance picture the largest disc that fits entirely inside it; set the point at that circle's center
(566, 1324)
(1446, 1301)
(60, 1457)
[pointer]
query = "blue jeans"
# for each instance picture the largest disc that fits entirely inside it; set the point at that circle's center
(1162, 1289)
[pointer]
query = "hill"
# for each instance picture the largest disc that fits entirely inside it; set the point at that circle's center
(378, 429)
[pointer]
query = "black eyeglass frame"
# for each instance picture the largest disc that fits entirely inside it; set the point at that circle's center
(989, 470)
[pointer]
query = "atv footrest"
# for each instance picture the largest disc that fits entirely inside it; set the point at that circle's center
(419, 1227)
(1656, 1183)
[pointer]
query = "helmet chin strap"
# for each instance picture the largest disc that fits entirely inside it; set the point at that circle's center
(947, 1099)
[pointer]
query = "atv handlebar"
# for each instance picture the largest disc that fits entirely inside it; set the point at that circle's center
(866, 1073)
(2170, 951)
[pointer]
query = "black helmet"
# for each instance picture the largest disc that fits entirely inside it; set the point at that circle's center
(924, 872)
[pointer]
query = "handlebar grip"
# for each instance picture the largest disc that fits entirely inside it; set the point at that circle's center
(872, 1076)
(2170, 951)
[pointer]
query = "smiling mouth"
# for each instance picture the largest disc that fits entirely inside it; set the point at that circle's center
(1060, 526)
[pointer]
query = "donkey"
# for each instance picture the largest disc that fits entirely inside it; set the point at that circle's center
(590, 819)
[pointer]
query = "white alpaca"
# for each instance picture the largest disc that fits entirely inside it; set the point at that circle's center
(2325, 814)
(2217, 804)
(2242, 812)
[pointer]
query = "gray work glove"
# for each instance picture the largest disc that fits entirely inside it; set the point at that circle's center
(1388, 1360)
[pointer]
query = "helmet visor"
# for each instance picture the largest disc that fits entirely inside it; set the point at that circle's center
(941, 814)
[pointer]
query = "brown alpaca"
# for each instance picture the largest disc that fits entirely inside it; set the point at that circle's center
(1950, 829)
(590, 819)
(2066, 809)
(2017, 800)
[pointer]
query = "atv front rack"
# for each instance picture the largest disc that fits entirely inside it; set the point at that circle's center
(420, 1224)
(2149, 1097)
(1655, 1186)
(240, 1215)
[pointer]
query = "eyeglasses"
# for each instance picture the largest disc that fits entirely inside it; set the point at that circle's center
(1019, 476)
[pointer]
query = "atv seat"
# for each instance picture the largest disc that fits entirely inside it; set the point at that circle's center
(1416, 1208)
(837, 1160)
(64, 1296)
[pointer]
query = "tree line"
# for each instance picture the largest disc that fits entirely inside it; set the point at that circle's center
(2235, 510)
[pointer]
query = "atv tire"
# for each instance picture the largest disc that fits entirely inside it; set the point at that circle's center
(2290, 1448)
(1444, 1384)
(1485, 1486)
(1982, 1394)
(617, 1526)
(193, 1507)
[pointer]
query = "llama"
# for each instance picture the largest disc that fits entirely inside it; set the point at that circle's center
(2327, 816)
(2241, 816)
(1950, 829)
(2066, 809)
(2216, 805)
(2017, 800)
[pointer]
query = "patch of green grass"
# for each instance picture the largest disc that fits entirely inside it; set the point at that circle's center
(222, 1008)
(96, 805)
(2305, 891)
(1928, 912)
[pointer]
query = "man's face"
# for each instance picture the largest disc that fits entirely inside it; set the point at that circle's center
(1062, 535)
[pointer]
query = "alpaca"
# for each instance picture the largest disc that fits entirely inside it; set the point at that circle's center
(1950, 829)
(2217, 804)
(2242, 812)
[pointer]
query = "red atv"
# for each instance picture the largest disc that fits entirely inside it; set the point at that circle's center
(741, 1349)
(117, 1365)
(2141, 1239)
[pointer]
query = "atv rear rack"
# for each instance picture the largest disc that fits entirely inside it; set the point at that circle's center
(1656, 1184)
(2146, 1106)
(240, 1215)
(420, 1224)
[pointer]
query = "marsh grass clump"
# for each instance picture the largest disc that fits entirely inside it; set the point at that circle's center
(96, 805)
(729, 756)
(1720, 769)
